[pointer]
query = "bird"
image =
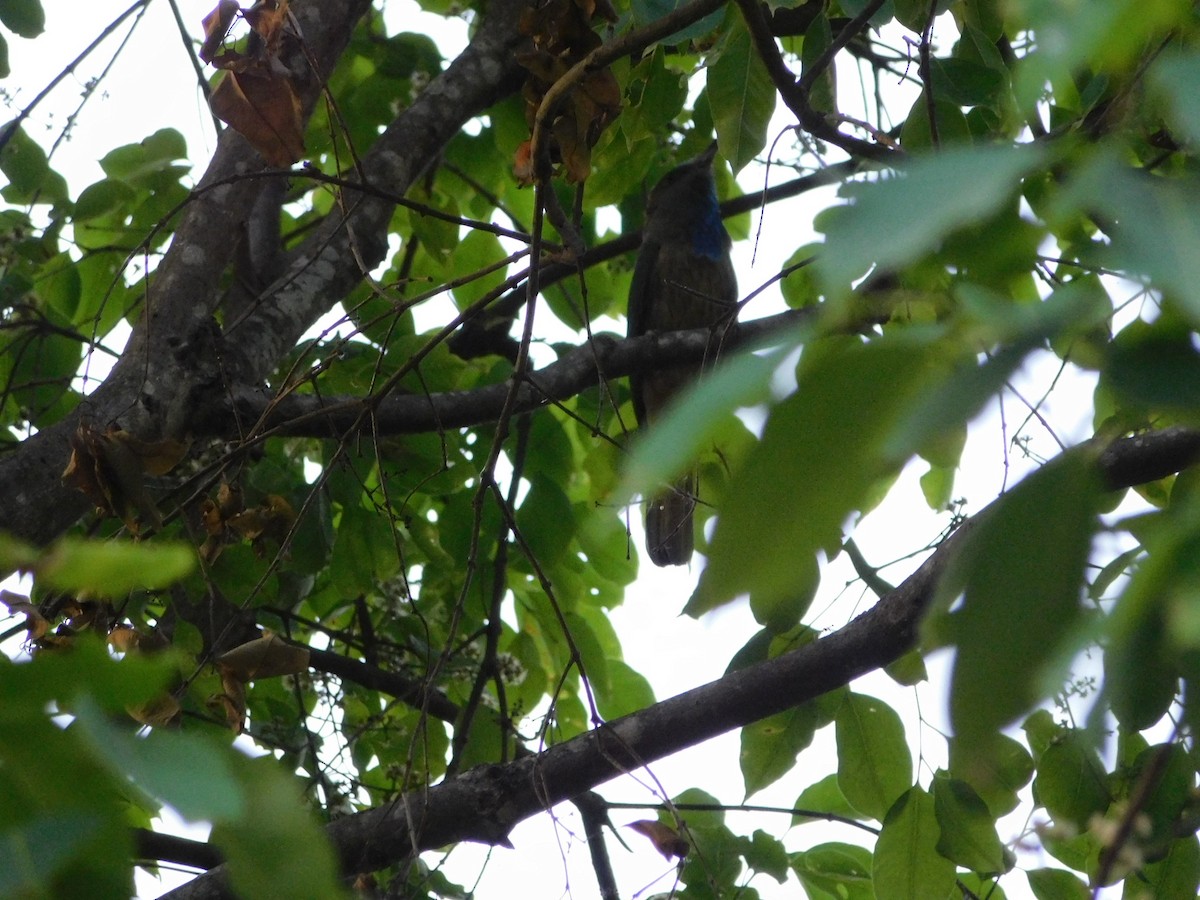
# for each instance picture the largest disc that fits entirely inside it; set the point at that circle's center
(683, 279)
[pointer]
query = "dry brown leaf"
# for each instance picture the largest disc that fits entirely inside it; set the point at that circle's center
(124, 638)
(264, 657)
(233, 701)
(257, 97)
(157, 457)
(35, 623)
(159, 712)
(560, 35)
(268, 18)
(108, 466)
(263, 107)
(270, 522)
(215, 516)
(216, 25)
(666, 840)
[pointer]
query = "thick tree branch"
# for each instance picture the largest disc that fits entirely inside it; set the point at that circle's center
(606, 357)
(176, 353)
(485, 803)
(353, 239)
(170, 350)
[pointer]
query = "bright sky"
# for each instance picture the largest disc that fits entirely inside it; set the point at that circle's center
(152, 85)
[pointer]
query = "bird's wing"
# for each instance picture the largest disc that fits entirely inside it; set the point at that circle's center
(642, 288)
(642, 291)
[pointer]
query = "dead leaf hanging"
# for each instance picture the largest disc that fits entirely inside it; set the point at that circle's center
(257, 96)
(666, 840)
(560, 35)
(110, 468)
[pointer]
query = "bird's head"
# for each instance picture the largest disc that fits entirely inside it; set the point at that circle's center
(683, 205)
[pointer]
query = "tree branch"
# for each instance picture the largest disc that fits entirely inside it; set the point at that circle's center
(485, 803)
(176, 354)
(307, 415)
(796, 93)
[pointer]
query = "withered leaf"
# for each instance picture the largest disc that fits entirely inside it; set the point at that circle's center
(233, 701)
(263, 107)
(666, 840)
(36, 624)
(108, 466)
(158, 712)
(216, 25)
(263, 657)
(124, 638)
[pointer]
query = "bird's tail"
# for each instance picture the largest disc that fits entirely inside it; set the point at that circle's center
(669, 524)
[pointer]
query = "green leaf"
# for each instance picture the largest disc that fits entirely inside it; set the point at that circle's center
(628, 691)
(23, 17)
(1178, 77)
(25, 164)
(1170, 798)
(647, 11)
(914, 14)
(1057, 884)
(882, 16)
(1154, 367)
(185, 771)
(274, 819)
(850, 394)
(1021, 573)
(1140, 663)
(1179, 874)
(965, 83)
(5, 69)
(937, 486)
(364, 551)
(968, 829)
(113, 568)
(485, 741)
(700, 414)
(835, 870)
(818, 37)
(955, 188)
(741, 95)
(59, 285)
(656, 95)
(478, 251)
(1154, 232)
(546, 520)
(1070, 780)
(799, 288)
(780, 611)
(103, 197)
(1071, 39)
(823, 797)
(35, 850)
(139, 163)
(996, 776)
(767, 854)
(917, 133)
(770, 746)
(907, 865)
(909, 670)
(874, 762)
(595, 661)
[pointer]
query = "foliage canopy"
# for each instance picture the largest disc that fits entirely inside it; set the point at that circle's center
(386, 549)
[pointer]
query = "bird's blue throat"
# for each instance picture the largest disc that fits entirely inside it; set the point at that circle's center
(708, 234)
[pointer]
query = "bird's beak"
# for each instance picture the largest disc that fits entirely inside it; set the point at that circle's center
(708, 155)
